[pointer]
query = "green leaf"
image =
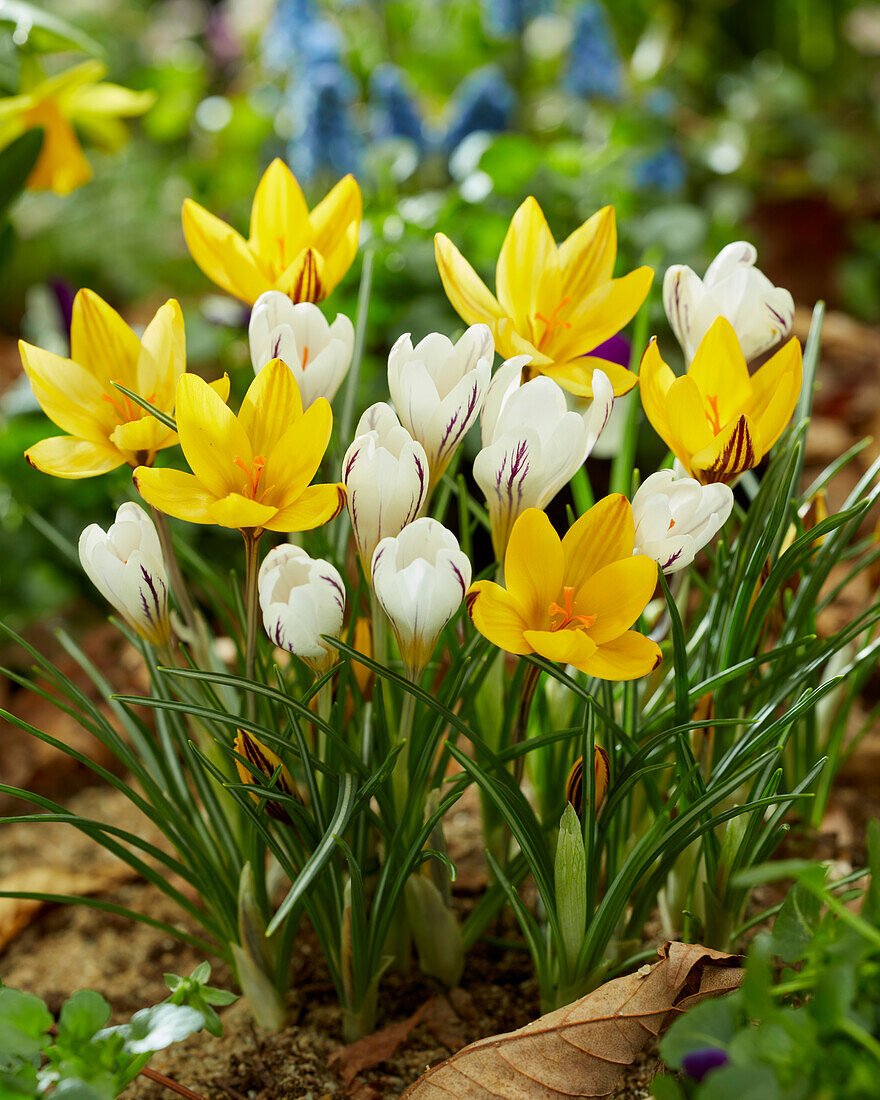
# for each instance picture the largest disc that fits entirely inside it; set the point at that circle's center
(871, 904)
(42, 31)
(665, 1087)
(24, 1022)
(708, 1024)
(17, 162)
(155, 1028)
(796, 924)
(735, 1082)
(84, 1014)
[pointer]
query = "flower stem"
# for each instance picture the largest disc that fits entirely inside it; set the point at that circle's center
(178, 585)
(252, 606)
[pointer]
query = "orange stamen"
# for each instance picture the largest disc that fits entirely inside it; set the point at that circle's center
(714, 416)
(305, 357)
(671, 525)
(569, 620)
(551, 321)
(124, 407)
(254, 474)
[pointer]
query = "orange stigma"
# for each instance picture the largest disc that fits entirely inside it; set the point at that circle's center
(124, 407)
(714, 417)
(569, 620)
(551, 321)
(305, 358)
(254, 474)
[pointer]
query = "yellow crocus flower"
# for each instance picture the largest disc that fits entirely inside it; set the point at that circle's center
(105, 428)
(250, 471)
(718, 420)
(555, 304)
(300, 252)
(75, 96)
(573, 600)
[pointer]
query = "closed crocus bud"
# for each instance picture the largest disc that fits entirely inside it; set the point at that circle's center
(570, 875)
(438, 388)
(126, 566)
(761, 313)
(263, 768)
(677, 516)
(420, 577)
(532, 443)
(385, 472)
(301, 599)
(318, 353)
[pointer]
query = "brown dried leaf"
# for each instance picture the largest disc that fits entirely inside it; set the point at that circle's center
(581, 1050)
(376, 1048)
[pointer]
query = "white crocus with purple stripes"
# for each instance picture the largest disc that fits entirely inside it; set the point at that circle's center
(761, 313)
(318, 353)
(126, 565)
(533, 444)
(385, 472)
(438, 387)
(677, 516)
(420, 578)
(301, 598)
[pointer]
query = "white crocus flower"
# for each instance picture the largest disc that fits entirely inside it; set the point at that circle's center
(761, 313)
(438, 387)
(318, 353)
(420, 578)
(385, 472)
(532, 443)
(301, 599)
(126, 566)
(677, 516)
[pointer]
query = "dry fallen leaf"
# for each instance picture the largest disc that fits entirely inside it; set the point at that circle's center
(17, 913)
(582, 1049)
(376, 1048)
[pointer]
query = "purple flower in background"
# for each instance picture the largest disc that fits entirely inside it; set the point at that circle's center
(663, 171)
(64, 294)
(484, 101)
(394, 111)
(617, 349)
(504, 17)
(327, 138)
(702, 1061)
(594, 67)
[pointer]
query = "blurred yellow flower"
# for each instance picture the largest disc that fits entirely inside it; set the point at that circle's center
(251, 471)
(105, 428)
(555, 304)
(718, 420)
(573, 600)
(77, 97)
(302, 253)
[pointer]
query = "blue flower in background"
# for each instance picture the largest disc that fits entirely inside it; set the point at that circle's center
(483, 101)
(282, 38)
(504, 17)
(594, 67)
(327, 138)
(663, 171)
(394, 111)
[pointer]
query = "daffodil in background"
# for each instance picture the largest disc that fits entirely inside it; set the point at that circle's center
(718, 420)
(104, 427)
(77, 99)
(555, 304)
(302, 253)
(573, 600)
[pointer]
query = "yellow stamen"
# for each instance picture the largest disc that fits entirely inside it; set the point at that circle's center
(569, 620)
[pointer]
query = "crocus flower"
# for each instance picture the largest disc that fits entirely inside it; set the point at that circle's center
(105, 428)
(385, 473)
(572, 600)
(318, 354)
(126, 566)
(300, 252)
(532, 443)
(574, 784)
(75, 97)
(438, 387)
(420, 577)
(761, 313)
(250, 471)
(555, 304)
(269, 766)
(301, 599)
(677, 516)
(717, 420)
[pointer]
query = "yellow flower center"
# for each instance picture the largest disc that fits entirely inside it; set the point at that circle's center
(254, 473)
(567, 619)
(551, 322)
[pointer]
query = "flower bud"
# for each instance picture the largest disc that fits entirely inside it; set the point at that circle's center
(677, 516)
(318, 353)
(420, 577)
(438, 387)
(761, 313)
(301, 599)
(267, 764)
(574, 785)
(385, 472)
(125, 564)
(436, 931)
(569, 876)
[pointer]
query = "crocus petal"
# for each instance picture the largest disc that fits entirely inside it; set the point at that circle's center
(279, 217)
(304, 280)
(655, 378)
(735, 450)
(626, 658)
(68, 457)
(68, 394)
(211, 437)
(604, 534)
(176, 493)
(719, 370)
(497, 616)
(576, 375)
(775, 389)
(533, 540)
(295, 459)
(270, 407)
(222, 254)
(616, 594)
(587, 255)
(603, 313)
(144, 435)
(314, 506)
(567, 647)
(468, 294)
(528, 256)
(689, 429)
(162, 357)
(61, 166)
(240, 511)
(336, 222)
(102, 342)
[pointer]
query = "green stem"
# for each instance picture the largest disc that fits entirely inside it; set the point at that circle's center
(404, 731)
(175, 576)
(252, 607)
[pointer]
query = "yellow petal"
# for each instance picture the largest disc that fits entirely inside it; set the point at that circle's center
(295, 458)
(240, 511)
(280, 226)
(109, 99)
(528, 278)
(600, 315)
(223, 254)
(68, 457)
(775, 390)
(175, 493)
(316, 505)
(336, 222)
(735, 450)
(68, 394)
(533, 567)
(211, 437)
(220, 386)
(689, 430)
(162, 357)
(497, 616)
(576, 375)
(61, 166)
(626, 658)
(102, 342)
(616, 594)
(145, 435)
(587, 256)
(303, 281)
(655, 378)
(468, 294)
(604, 534)
(270, 407)
(720, 372)
(568, 647)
